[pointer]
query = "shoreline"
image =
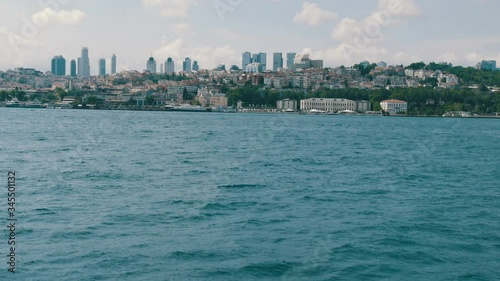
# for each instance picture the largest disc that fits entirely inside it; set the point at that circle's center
(157, 109)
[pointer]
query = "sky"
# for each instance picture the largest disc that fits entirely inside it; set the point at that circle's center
(213, 32)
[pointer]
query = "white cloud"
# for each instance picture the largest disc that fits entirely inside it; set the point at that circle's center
(210, 57)
(171, 8)
(312, 14)
(174, 50)
(207, 56)
(182, 29)
(400, 8)
(49, 15)
(362, 38)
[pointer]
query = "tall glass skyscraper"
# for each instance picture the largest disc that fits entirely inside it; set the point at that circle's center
(84, 64)
(277, 61)
(113, 64)
(151, 65)
(187, 65)
(290, 57)
(73, 68)
(246, 60)
(169, 66)
(196, 67)
(58, 66)
(102, 67)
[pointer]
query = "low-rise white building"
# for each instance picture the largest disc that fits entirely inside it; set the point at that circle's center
(394, 106)
(328, 105)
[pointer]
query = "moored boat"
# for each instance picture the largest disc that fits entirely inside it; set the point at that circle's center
(13, 103)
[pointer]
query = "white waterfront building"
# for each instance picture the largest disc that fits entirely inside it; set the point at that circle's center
(394, 106)
(328, 105)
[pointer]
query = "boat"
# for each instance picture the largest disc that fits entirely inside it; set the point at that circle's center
(35, 104)
(316, 111)
(13, 103)
(63, 106)
(190, 108)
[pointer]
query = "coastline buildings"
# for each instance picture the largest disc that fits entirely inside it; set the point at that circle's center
(58, 66)
(169, 66)
(73, 68)
(84, 64)
(102, 67)
(277, 61)
(113, 64)
(394, 106)
(334, 105)
(151, 65)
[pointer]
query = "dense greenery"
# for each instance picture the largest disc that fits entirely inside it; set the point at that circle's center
(421, 101)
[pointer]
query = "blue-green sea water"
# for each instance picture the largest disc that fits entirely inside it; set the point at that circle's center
(114, 195)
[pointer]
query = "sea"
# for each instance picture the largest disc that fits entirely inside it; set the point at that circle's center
(130, 195)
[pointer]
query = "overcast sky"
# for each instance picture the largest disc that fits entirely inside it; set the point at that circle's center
(341, 32)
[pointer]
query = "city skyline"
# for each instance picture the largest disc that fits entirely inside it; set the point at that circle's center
(212, 34)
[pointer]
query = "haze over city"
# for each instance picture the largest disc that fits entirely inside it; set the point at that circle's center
(218, 32)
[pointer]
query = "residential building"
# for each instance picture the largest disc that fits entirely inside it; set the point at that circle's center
(169, 66)
(187, 65)
(328, 105)
(253, 67)
(290, 57)
(277, 61)
(218, 100)
(151, 65)
(59, 66)
(113, 64)
(102, 67)
(394, 106)
(286, 105)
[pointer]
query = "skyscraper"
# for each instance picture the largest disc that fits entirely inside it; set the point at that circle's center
(196, 67)
(59, 66)
(290, 57)
(84, 64)
(151, 65)
(262, 59)
(186, 65)
(246, 59)
(73, 68)
(102, 67)
(169, 66)
(113, 64)
(277, 61)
